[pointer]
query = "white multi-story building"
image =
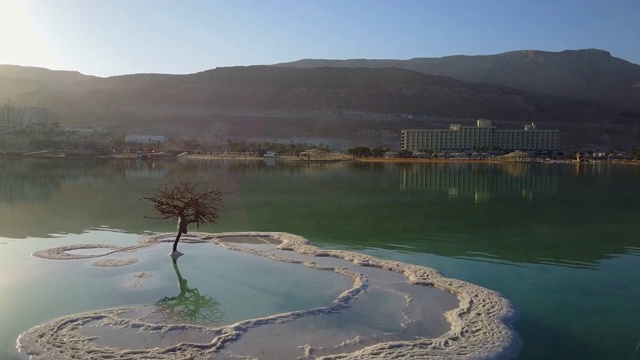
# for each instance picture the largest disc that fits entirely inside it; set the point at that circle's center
(145, 139)
(483, 135)
(16, 118)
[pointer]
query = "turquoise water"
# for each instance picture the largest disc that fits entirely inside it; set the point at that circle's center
(560, 241)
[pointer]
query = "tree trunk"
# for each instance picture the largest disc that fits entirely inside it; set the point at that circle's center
(175, 243)
(182, 229)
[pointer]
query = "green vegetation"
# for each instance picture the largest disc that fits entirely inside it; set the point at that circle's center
(364, 151)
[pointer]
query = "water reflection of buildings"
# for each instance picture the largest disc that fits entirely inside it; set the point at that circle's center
(38, 180)
(26, 182)
(480, 180)
(20, 190)
(145, 169)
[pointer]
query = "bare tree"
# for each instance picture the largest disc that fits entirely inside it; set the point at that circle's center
(188, 202)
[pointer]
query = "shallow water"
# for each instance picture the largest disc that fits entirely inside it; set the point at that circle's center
(321, 309)
(560, 241)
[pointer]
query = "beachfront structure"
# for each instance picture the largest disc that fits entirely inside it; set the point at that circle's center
(16, 118)
(481, 136)
(145, 139)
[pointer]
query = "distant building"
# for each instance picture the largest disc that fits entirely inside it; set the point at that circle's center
(79, 131)
(145, 139)
(483, 135)
(17, 118)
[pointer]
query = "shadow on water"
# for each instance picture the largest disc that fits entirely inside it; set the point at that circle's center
(189, 306)
(543, 341)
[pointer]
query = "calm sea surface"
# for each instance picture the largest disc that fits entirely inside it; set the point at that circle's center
(562, 242)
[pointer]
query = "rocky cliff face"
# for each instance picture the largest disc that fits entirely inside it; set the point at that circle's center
(587, 73)
(591, 96)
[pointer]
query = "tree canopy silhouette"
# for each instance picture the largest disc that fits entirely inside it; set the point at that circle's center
(190, 202)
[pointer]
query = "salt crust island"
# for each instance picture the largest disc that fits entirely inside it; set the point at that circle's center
(433, 316)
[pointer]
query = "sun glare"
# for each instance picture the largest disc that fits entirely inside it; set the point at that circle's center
(21, 42)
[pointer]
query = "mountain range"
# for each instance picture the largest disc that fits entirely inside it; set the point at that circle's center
(591, 96)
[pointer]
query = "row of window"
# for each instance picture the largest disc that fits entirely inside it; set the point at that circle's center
(415, 144)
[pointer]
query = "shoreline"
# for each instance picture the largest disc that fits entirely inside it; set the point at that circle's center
(424, 160)
(162, 156)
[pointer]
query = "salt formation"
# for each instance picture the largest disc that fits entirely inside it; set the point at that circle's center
(393, 310)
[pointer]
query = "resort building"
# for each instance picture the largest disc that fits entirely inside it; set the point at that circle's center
(481, 136)
(16, 118)
(145, 139)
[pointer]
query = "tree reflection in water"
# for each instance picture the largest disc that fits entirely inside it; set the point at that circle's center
(189, 306)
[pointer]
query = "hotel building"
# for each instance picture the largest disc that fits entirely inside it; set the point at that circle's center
(483, 135)
(16, 118)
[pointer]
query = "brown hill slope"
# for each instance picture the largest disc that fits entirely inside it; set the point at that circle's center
(588, 73)
(371, 90)
(346, 106)
(49, 78)
(270, 88)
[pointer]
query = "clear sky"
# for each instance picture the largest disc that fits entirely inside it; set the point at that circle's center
(116, 37)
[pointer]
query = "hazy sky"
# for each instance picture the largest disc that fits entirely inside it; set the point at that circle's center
(115, 37)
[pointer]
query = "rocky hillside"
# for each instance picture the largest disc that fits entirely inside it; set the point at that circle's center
(591, 73)
(589, 95)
